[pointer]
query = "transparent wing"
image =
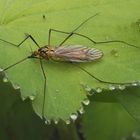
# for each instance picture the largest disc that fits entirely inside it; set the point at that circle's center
(77, 53)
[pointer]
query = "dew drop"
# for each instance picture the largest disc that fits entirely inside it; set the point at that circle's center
(23, 98)
(134, 84)
(32, 97)
(86, 101)
(74, 116)
(67, 121)
(114, 52)
(112, 87)
(1, 69)
(55, 121)
(98, 90)
(91, 92)
(121, 87)
(16, 86)
(48, 122)
(87, 88)
(81, 110)
(5, 79)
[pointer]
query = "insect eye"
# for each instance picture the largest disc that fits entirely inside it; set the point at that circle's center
(43, 53)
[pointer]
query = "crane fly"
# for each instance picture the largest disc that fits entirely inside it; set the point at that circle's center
(71, 53)
(67, 53)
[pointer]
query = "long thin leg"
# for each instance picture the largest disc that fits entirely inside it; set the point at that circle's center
(96, 42)
(15, 63)
(44, 90)
(71, 33)
(27, 37)
(99, 80)
(96, 78)
(49, 37)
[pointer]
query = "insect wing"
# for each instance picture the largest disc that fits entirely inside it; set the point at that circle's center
(77, 53)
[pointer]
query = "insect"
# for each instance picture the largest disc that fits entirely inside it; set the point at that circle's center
(66, 53)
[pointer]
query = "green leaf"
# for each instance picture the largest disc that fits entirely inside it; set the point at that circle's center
(17, 118)
(65, 81)
(129, 98)
(107, 121)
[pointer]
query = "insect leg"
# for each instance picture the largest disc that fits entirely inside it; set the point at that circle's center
(100, 80)
(70, 33)
(96, 42)
(110, 41)
(15, 63)
(44, 90)
(27, 37)
(96, 78)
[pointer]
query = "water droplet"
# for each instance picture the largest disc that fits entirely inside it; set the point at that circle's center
(114, 52)
(23, 98)
(121, 87)
(91, 92)
(48, 122)
(74, 116)
(81, 110)
(86, 101)
(67, 121)
(1, 69)
(32, 97)
(98, 90)
(16, 86)
(55, 121)
(134, 84)
(87, 88)
(112, 87)
(5, 79)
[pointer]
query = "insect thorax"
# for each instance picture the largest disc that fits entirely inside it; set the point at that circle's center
(46, 52)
